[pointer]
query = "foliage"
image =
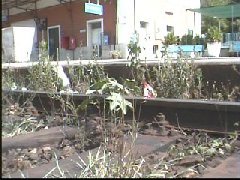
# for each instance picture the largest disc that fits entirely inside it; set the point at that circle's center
(133, 87)
(104, 164)
(83, 76)
(201, 146)
(13, 79)
(190, 40)
(26, 125)
(214, 35)
(187, 40)
(42, 76)
(134, 51)
(133, 48)
(117, 102)
(177, 80)
(199, 40)
(208, 22)
(8, 79)
(207, 3)
(115, 92)
(170, 39)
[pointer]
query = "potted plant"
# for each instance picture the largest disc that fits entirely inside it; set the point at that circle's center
(170, 39)
(170, 42)
(116, 54)
(187, 40)
(214, 38)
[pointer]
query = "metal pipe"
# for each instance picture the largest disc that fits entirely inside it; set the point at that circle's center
(232, 20)
(134, 6)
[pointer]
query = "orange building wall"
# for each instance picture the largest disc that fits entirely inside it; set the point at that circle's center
(72, 18)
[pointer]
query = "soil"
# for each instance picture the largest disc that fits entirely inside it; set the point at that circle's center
(54, 139)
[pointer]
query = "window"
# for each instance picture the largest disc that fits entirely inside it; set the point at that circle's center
(169, 13)
(190, 32)
(143, 24)
(170, 29)
(155, 48)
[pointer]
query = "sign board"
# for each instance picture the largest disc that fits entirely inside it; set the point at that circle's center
(4, 15)
(4, 18)
(94, 8)
(82, 30)
(105, 39)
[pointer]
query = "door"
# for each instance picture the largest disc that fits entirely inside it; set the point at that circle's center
(53, 42)
(94, 35)
(96, 40)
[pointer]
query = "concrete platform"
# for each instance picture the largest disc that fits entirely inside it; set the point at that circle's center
(120, 62)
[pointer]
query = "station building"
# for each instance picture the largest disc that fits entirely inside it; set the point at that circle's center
(87, 29)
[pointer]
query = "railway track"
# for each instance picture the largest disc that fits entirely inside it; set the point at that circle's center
(207, 115)
(188, 116)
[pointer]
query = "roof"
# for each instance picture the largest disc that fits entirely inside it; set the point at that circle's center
(227, 11)
(23, 4)
(8, 4)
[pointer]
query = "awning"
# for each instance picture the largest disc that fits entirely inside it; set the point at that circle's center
(227, 11)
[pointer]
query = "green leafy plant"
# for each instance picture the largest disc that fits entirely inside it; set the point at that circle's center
(83, 76)
(8, 79)
(200, 146)
(42, 76)
(133, 48)
(170, 39)
(187, 40)
(27, 125)
(198, 40)
(214, 35)
(114, 92)
(177, 80)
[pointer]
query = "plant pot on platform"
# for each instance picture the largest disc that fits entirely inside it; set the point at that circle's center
(214, 48)
(214, 39)
(115, 56)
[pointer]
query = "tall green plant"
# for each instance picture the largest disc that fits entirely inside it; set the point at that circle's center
(83, 76)
(42, 76)
(114, 92)
(8, 79)
(179, 79)
(134, 50)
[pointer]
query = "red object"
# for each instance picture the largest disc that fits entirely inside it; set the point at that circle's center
(147, 90)
(65, 42)
(72, 43)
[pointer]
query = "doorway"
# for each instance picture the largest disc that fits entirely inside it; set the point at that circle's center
(54, 42)
(95, 35)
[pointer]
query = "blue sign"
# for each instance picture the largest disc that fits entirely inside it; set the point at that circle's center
(105, 39)
(4, 18)
(94, 8)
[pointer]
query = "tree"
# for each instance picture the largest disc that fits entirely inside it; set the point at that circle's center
(210, 21)
(208, 3)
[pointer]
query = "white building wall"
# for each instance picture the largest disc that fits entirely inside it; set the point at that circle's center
(153, 13)
(125, 20)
